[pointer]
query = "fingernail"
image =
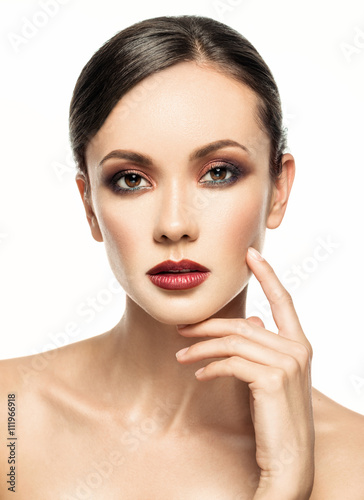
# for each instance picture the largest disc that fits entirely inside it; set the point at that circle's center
(199, 371)
(181, 352)
(255, 254)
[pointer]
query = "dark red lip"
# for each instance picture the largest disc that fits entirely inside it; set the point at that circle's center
(182, 265)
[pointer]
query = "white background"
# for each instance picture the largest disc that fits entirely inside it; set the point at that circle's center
(50, 265)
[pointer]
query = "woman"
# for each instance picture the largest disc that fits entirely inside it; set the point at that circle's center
(176, 128)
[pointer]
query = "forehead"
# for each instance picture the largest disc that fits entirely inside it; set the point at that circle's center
(179, 109)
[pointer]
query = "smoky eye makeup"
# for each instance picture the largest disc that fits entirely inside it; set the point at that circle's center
(218, 173)
(221, 173)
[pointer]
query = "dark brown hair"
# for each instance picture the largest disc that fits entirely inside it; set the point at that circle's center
(152, 45)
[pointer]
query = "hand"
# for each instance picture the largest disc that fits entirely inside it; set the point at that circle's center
(277, 369)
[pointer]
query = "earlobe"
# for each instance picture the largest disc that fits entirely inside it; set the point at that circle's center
(82, 185)
(281, 191)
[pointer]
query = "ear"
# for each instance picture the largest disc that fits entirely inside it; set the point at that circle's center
(281, 190)
(84, 188)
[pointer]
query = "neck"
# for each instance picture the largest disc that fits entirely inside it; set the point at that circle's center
(142, 365)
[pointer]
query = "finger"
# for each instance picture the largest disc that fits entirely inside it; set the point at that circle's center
(222, 327)
(253, 319)
(235, 345)
(234, 366)
(284, 313)
(256, 320)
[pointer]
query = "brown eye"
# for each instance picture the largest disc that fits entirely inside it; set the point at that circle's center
(218, 173)
(132, 180)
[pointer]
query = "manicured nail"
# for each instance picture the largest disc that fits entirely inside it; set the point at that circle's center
(181, 352)
(255, 254)
(199, 371)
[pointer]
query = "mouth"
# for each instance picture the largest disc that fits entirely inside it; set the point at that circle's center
(182, 275)
(172, 267)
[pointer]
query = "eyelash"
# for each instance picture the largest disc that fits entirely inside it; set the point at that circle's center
(235, 171)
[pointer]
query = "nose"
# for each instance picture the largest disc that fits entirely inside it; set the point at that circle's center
(176, 217)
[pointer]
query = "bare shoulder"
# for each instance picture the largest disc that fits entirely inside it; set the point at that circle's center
(22, 379)
(39, 377)
(339, 450)
(19, 374)
(12, 388)
(11, 382)
(39, 406)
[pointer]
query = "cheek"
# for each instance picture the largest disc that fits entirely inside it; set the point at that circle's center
(124, 232)
(249, 224)
(239, 222)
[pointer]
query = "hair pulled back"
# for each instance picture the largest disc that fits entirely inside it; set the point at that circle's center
(149, 46)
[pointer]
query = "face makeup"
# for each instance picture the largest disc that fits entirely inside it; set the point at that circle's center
(182, 180)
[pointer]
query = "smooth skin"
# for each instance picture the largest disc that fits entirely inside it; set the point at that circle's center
(118, 416)
(277, 371)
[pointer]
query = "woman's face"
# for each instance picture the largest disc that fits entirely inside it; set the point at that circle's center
(186, 200)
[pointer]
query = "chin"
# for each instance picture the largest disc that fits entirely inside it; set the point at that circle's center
(180, 315)
(173, 310)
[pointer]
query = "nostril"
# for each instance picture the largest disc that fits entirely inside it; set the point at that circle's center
(168, 237)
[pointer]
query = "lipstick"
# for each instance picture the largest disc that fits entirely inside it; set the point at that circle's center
(182, 275)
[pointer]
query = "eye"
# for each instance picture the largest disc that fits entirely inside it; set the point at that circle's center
(129, 181)
(221, 174)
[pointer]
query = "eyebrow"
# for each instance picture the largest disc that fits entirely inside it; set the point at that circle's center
(146, 161)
